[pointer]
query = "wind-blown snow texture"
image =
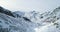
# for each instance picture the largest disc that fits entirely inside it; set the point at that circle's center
(29, 21)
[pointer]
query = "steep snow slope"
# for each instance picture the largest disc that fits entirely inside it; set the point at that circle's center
(48, 21)
(29, 21)
(53, 20)
(11, 24)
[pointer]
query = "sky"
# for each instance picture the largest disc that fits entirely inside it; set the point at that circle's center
(30, 5)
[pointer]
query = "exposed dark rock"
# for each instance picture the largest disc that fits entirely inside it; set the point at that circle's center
(5, 11)
(41, 16)
(57, 18)
(26, 19)
(0, 21)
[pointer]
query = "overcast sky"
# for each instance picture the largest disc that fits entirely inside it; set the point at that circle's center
(30, 5)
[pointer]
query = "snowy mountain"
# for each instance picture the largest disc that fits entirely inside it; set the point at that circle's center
(29, 21)
(12, 24)
(46, 21)
(51, 23)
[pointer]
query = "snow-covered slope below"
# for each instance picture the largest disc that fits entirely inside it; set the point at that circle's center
(29, 21)
(53, 20)
(11, 24)
(47, 22)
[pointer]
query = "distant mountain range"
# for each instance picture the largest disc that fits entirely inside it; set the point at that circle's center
(29, 21)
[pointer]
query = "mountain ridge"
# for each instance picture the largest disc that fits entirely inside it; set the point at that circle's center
(29, 21)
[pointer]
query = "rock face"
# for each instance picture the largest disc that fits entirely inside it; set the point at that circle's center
(5, 11)
(29, 21)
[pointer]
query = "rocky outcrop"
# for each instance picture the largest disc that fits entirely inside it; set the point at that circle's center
(5, 11)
